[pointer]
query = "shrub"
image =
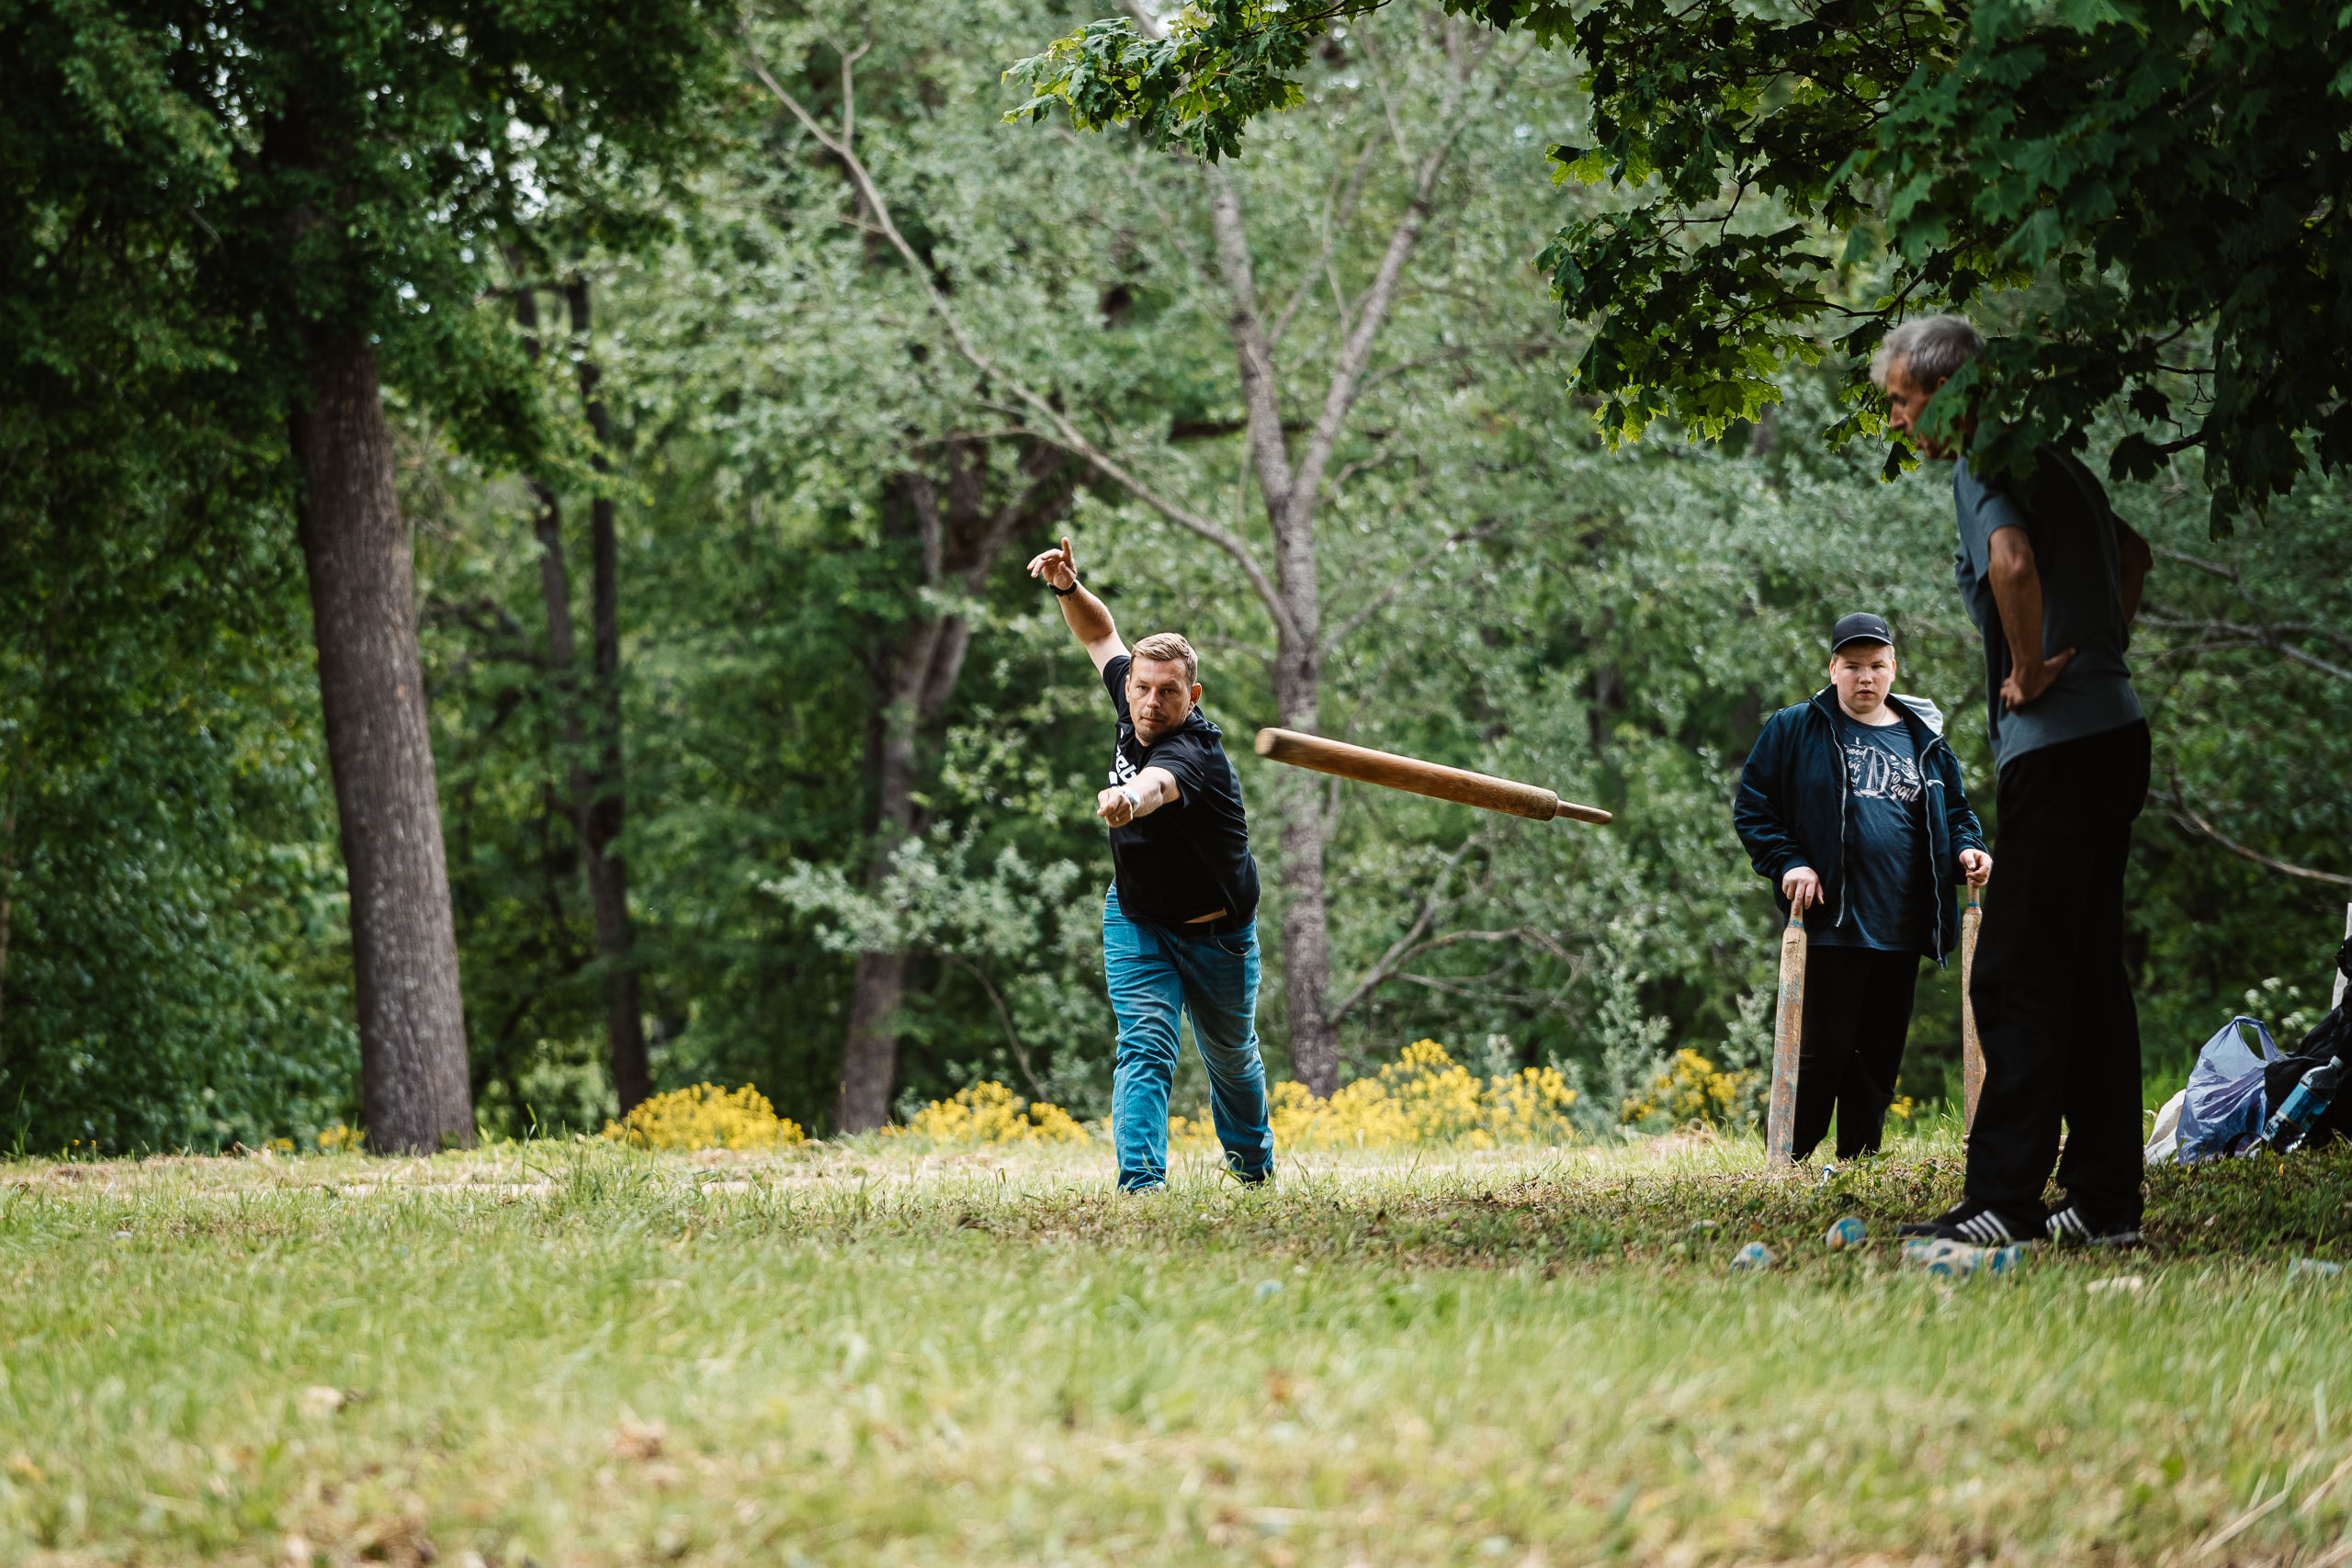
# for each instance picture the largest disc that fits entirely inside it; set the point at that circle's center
(704, 1117)
(991, 1114)
(1688, 1088)
(1424, 1097)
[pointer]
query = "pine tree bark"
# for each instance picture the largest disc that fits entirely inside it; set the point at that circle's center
(413, 1085)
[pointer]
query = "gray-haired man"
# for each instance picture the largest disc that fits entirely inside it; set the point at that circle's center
(2052, 577)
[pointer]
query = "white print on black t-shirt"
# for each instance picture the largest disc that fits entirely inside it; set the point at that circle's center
(1880, 774)
(1121, 770)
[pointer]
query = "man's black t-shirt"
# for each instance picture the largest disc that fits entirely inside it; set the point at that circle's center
(1887, 891)
(1191, 858)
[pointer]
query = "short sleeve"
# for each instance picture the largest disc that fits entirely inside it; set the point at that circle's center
(1991, 511)
(1115, 682)
(1983, 510)
(1185, 755)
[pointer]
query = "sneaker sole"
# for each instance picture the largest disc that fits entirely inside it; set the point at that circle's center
(2066, 1228)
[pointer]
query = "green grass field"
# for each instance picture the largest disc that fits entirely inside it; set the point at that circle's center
(569, 1354)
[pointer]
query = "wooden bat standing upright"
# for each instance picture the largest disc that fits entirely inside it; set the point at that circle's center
(1788, 1039)
(1421, 778)
(1971, 1050)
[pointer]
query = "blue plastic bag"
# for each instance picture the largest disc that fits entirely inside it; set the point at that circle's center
(2222, 1108)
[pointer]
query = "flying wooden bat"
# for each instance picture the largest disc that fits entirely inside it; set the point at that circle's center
(1421, 778)
(1788, 1040)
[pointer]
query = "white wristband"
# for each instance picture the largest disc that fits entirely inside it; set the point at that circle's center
(1135, 801)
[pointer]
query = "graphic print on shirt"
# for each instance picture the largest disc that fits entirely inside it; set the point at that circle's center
(1876, 773)
(1121, 770)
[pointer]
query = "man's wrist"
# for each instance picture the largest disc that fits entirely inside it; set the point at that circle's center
(1135, 800)
(1063, 593)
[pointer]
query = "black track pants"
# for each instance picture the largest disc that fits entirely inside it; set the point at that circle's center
(2053, 1002)
(1856, 1015)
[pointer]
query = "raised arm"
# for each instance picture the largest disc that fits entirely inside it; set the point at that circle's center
(1089, 617)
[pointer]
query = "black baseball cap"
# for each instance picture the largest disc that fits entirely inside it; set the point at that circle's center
(1860, 626)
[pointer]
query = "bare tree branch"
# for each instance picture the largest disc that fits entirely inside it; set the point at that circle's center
(1061, 432)
(1410, 944)
(2226, 633)
(1355, 353)
(2184, 814)
(1260, 395)
(1014, 515)
(1335, 220)
(1011, 1036)
(2226, 573)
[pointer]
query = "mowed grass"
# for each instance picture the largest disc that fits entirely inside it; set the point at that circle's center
(569, 1354)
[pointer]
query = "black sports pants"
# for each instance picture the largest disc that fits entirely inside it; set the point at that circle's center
(2053, 1002)
(1856, 1015)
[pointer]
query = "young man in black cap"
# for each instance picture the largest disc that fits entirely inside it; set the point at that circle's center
(1851, 806)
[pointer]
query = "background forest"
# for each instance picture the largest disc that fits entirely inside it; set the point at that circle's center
(753, 620)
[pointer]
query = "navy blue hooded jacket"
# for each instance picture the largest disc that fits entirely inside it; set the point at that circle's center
(1791, 808)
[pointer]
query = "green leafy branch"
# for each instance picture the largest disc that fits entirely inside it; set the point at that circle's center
(2142, 198)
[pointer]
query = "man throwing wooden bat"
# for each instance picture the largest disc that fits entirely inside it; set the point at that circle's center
(1179, 928)
(1851, 806)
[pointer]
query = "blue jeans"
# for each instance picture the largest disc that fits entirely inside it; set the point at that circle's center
(1156, 972)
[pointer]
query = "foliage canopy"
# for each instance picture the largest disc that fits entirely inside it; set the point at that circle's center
(2144, 195)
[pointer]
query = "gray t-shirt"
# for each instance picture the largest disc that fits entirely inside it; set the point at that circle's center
(2074, 533)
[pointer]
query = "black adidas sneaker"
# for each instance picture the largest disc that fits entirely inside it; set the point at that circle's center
(2069, 1226)
(1976, 1223)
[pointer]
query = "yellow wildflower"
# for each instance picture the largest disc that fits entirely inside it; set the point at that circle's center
(704, 1117)
(1688, 1088)
(1426, 1097)
(991, 1114)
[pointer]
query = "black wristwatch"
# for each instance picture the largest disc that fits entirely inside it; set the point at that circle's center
(1064, 592)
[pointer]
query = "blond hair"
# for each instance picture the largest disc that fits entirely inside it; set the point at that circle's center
(1167, 647)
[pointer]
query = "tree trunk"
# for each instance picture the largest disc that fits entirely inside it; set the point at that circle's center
(601, 814)
(1291, 493)
(870, 1055)
(915, 673)
(7, 893)
(413, 1085)
(1306, 930)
